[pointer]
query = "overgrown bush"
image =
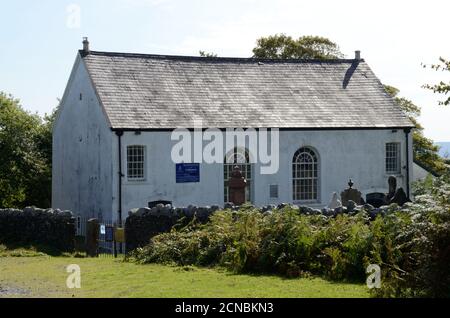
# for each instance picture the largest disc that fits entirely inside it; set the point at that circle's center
(411, 244)
(416, 251)
(284, 242)
(143, 224)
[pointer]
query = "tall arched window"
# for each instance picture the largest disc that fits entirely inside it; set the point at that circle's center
(305, 172)
(237, 157)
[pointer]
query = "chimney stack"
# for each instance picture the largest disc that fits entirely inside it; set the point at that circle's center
(85, 45)
(357, 55)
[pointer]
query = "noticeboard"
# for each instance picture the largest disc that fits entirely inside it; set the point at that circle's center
(119, 235)
(187, 172)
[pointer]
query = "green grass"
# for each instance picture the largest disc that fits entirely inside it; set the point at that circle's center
(45, 276)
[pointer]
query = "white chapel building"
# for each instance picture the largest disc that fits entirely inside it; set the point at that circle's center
(113, 136)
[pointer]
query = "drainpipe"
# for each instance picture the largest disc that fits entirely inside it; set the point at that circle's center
(119, 134)
(407, 131)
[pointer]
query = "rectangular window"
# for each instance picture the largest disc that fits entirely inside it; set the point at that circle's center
(393, 158)
(135, 163)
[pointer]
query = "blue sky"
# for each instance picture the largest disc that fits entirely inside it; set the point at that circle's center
(39, 42)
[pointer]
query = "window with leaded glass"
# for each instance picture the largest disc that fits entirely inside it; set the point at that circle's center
(393, 158)
(136, 162)
(305, 175)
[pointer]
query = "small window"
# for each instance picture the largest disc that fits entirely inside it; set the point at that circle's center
(273, 191)
(393, 158)
(135, 163)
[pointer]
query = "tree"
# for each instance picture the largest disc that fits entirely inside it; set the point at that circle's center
(424, 149)
(25, 156)
(41, 195)
(441, 87)
(207, 54)
(281, 46)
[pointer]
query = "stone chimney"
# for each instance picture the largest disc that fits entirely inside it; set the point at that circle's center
(85, 45)
(357, 55)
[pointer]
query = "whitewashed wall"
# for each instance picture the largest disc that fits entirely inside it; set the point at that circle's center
(343, 154)
(82, 154)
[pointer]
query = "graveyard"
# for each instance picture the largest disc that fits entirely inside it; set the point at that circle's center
(209, 149)
(238, 250)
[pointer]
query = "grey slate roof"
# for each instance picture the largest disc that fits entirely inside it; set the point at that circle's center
(159, 92)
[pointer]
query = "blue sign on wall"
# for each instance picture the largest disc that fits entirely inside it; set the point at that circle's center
(188, 172)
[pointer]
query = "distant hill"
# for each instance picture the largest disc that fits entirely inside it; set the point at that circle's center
(445, 148)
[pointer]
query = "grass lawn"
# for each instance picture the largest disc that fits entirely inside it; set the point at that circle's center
(45, 276)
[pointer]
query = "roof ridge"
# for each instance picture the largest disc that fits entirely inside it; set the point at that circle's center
(215, 59)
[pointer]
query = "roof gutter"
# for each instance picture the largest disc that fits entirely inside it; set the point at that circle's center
(125, 129)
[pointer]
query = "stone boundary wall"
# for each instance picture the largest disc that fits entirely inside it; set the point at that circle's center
(144, 223)
(53, 229)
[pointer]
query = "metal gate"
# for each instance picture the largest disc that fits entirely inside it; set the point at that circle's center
(111, 241)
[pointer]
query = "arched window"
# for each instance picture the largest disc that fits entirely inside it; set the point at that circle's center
(237, 157)
(305, 171)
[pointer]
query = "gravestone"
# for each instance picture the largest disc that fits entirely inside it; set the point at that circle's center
(236, 186)
(351, 205)
(400, 197)
(376, 199)
(395, 196)
(334, 202)
(351, 194)
(392, 183)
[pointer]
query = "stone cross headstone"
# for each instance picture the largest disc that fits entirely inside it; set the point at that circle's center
(236, 186)
(351, 194)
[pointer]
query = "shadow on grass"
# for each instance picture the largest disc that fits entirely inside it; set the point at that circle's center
(303, 275)
(228, 272)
